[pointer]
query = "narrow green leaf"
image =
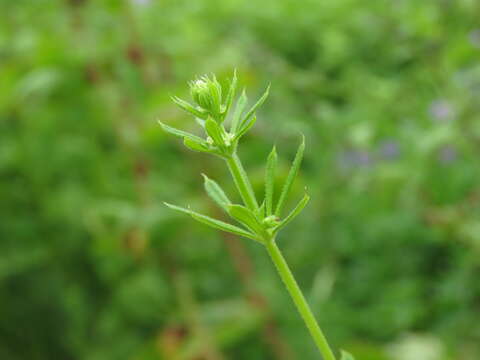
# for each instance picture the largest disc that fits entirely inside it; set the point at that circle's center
(216, 224)
(230, 94)
(215, 131)
(346, 356)
(290, 178)
(270, 180)
(245, 128)
(254, 108)
(293, 214)
(195, 145)
(215, 90)
(246, 217)
(188, 107)
(240, 106)
(180, 133)
(216, 193)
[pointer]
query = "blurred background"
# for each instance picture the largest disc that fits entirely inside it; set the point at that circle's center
(94, 267)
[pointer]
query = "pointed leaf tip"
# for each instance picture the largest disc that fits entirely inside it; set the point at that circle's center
(184, 105)
(216, 224)
(270, 180)
(180, 133)
(295, 212)
(251, 112)
(346, 355)
(216, 193)
(231, 94)
(175, 207)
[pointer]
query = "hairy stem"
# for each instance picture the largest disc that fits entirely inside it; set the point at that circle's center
(241, 181)
(299, 300)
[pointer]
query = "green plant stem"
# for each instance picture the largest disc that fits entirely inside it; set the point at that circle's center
(299, 300)
(246, 192)
(241, 181)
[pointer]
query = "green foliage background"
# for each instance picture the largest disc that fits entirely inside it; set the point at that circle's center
(93, 266)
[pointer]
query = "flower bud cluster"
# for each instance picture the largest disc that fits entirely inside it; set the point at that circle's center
(211, 108)
(207, 94)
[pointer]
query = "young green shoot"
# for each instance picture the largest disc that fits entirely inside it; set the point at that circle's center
(261, 223)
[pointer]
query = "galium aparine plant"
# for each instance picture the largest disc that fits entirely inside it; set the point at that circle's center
(259, 221)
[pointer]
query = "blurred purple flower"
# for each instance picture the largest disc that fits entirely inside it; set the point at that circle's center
(350, 159)
(447, 154)
(389, 150)
(474, 38)
(441, 110)
(363, 158)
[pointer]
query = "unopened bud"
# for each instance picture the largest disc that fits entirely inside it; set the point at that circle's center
(207, 93)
